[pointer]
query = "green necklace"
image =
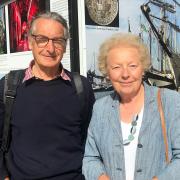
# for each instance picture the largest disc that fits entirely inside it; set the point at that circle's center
(132, 132)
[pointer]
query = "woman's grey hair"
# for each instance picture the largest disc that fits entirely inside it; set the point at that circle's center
(124, 40)
(53, 16)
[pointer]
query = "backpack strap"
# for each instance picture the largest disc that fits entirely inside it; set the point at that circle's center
(83, 94)
(12, 80)
(79, 88)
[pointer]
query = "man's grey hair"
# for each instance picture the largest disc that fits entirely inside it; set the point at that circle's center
(53, 16)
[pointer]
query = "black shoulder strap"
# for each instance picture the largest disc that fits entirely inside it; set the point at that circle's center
(79, 88)
(12, 80)
(82, 94)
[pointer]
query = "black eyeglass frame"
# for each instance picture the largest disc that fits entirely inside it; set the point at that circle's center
(56, 41)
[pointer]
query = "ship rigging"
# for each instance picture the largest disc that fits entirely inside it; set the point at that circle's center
(169, 74)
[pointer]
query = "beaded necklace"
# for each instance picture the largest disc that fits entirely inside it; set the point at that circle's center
(132, 132)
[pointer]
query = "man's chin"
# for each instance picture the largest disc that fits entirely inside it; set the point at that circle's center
(50, 65)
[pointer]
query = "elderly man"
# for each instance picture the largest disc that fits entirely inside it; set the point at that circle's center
(46, 121)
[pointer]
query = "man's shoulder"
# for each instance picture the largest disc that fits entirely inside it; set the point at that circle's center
(84, 82)
(71, 74)
(84, 79)
(2, 87)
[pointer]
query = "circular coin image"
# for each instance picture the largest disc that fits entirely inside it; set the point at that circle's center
(102, 12)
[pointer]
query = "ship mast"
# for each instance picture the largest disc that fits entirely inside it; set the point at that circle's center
(165, 58)
(165, 7)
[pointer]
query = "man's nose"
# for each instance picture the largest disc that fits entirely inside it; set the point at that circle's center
(50, 46)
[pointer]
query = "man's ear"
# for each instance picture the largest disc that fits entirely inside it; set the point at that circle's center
(30, 42)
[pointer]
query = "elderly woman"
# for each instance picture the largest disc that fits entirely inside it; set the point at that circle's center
(125, 139)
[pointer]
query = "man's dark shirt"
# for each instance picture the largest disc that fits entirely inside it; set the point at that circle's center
(46, 124)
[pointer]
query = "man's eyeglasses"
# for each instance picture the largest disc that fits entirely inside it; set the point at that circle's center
(42, 41)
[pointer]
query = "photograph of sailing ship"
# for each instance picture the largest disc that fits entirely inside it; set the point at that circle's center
(164, 29)
(157, 24)
(99, 83)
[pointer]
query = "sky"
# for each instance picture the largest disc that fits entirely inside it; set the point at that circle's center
(129, 10)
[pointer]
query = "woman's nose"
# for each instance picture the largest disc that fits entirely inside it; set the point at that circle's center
(125, 72)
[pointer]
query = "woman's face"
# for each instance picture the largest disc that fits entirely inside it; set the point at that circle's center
(125, 70)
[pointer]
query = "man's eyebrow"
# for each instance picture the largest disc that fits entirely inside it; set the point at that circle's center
(43, 36)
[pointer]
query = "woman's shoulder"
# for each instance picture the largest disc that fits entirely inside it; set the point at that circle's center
(101, 113)
(166, 93)
(171, 96)
(105, 100)
(171, 92)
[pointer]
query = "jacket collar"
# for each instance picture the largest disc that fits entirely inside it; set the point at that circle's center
(149, 105)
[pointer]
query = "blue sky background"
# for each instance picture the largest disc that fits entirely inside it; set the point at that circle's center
(129, 10)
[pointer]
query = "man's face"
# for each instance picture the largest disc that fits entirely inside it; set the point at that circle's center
(47, 53)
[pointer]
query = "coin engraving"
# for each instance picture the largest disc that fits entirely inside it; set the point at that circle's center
(102, 12)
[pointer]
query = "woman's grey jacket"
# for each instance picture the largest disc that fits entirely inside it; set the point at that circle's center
(104, 149)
